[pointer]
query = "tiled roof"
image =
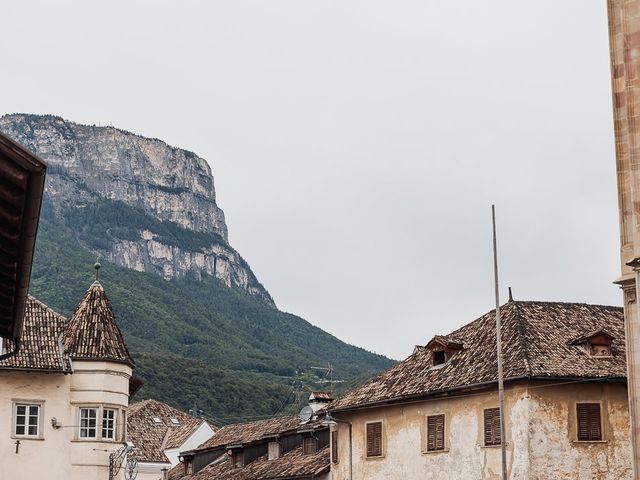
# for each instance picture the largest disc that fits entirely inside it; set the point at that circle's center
(536, 339)
(245, 433)
(41, 347)
(294, 464)
(93, 333)
(150, 438)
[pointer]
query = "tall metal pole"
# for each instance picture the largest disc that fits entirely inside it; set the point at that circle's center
(503, 442)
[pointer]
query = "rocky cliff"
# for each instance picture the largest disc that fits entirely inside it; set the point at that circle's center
(135, 201)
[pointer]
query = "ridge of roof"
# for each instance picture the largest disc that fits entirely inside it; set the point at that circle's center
(92, 332)
(524, 345)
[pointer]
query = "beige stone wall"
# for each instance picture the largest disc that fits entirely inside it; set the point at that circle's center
(538, 426)
(59, 453)
(554, 449)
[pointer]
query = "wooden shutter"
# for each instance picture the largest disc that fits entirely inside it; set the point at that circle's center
(492, 426)
(309, 445)
(435, 433)
(589, 422)
(374, 439)
(334, 446)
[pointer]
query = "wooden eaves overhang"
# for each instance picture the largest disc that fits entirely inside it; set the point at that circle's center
(22, 177)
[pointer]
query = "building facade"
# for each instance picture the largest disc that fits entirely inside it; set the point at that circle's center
(436, 415)
(159, 433)
(624, 44)
(64, 396)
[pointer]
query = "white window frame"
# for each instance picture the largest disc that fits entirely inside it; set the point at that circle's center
(28, 404)
(113, 428)
(117, 430)
(87, 427)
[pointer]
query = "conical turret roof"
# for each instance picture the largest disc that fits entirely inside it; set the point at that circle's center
(93, 333)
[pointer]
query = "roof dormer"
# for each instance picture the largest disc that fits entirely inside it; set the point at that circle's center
(595, 344)
(442, 348)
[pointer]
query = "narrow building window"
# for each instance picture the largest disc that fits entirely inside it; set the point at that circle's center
(274, 450)
(88, 422)
(374, 439)
(435, 433)
(492, 427)
(27, 420)
(309, 445)
(334, 446)
(589, 422)
(109, 424)
(238, 458)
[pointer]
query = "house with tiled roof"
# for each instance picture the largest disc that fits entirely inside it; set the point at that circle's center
(436, 414)
(64, 395)
(282, 448)
(159, 433)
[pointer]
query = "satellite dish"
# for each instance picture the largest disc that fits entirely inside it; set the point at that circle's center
(306, 413)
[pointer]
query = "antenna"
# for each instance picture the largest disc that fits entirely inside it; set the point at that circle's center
(306, 414)
(329, 372)
(499, 345)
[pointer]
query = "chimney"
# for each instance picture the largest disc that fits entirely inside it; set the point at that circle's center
(319, 400)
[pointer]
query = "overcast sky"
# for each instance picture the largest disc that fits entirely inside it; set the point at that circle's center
(357, 145)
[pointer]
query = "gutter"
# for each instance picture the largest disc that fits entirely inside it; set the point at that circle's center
(12, 353)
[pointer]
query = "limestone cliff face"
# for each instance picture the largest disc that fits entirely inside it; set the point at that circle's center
(171, 186)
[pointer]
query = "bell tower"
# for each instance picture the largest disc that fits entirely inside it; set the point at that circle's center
(624, 44)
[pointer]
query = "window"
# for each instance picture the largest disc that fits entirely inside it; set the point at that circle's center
(334, 446)
(589, 422)
(374, 439)
(237, 458)
(309, 445)
(492, 427)
(175, 421)
(274, 450)
(156, 419)
(27, 420)
(435, 433)
(439, 357)
(108, 424)
(88, 421)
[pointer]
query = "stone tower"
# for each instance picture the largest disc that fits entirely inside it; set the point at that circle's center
(624, 41)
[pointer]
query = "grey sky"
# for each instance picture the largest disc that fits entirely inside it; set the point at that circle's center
(357, 145)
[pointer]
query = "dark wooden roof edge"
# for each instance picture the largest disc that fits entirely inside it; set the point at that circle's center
(37, 169)
(37, 370)
(453, 392)
(129, 363)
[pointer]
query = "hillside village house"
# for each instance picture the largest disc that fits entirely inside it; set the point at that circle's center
(159, 433)
(64, 396)
(283, 448)
(435, 415)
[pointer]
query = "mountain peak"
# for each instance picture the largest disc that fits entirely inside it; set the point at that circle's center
(136, 201)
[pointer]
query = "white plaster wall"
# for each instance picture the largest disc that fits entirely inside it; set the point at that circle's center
(59, 454)
(197, 438)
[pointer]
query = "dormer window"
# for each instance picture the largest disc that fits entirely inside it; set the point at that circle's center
(596, 344)
(439, 357)
(156, 419)
(237, 457)
(274, 450)
(442, 349)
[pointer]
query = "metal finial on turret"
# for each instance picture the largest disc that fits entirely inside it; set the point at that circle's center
(97, 267)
